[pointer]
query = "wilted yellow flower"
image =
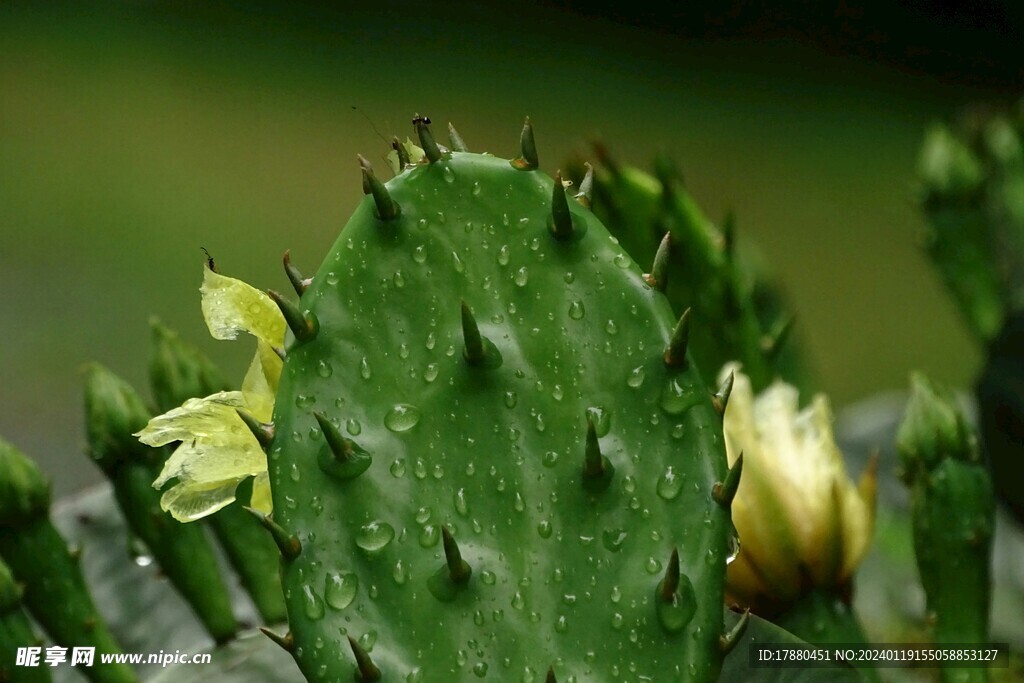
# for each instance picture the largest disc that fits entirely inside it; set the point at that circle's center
(801, 520)
(217, 450)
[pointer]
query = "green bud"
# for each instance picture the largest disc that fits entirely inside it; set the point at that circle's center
(933, 429)
(947, 167)
(177, 371)
(24, 491)
(113, 412)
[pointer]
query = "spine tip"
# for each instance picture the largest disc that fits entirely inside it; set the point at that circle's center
(264, 432)
(430, 148)
(287, 543)
(366, 670)
(725, 491)
(675, 353)
(527, 160)
(299, 283)
(303, 325)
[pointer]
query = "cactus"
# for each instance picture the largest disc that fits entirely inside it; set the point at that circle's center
(114, 411)
(972, 192)
(15, 632)
(697, 264)
(522, 399)
(491, 453)
(953, 510)
(54, 590)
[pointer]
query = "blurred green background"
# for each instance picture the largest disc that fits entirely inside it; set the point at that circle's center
(132, 134)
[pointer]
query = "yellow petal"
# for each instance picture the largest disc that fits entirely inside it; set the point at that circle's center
(798, 514)
(261, 494)
(189, 502)
(196, 418)
(260, 384)
(231, 306)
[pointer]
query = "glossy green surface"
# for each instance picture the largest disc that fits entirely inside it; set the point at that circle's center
(561, 576)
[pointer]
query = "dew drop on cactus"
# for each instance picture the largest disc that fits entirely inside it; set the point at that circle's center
(374, 536)
(341, 589)
(402, 417)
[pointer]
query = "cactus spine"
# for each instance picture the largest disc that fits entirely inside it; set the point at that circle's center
(526, 408)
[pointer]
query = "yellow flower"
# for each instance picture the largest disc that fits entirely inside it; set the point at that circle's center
(217, 450)
(802, 522)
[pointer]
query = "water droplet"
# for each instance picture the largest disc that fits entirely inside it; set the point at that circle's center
(653, 565)
(397, 468)
(448, 173)
(431, 341)
(617, 621)
(734, 546)
(324, 369)
(557, 393)
(398, 279)
(601, 418)
(312, 605)
(294, 472)
(430, 373)
(539, 423)
(332, 278)
(576, 311)
(139, 551)
(341, 589)
(636, 377)
(503, 255)
(544, 528)
(569, 278)
(457, 263)
(429, 536)
(517, 601)
(616, 594)
(304, 401)
(670, 483)
(422, 224)
(677, 397)
(354, 427)
(364, 368)
(521, 277)
(549, 459)
(480, 669)
(419, 469)
(374, 536)
(621, 260)
(676, 613)
(561, 624)
(461, 506)
(611, 328)
(402, 417)
(518, 503)
(487, 577)
(510, 399)
(400, 574)
(419, 254)
(612, 539)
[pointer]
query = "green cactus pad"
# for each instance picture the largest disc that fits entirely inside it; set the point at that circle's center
(562, 574)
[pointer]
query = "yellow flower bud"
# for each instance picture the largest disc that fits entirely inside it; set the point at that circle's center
(802, 522)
